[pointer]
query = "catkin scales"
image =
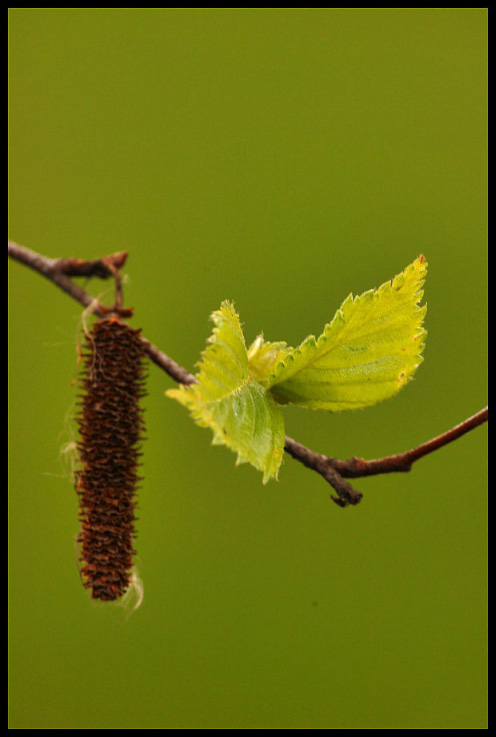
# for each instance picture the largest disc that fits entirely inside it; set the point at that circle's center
(110, 427)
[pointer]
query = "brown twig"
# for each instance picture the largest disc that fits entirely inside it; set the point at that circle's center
(325, 466)
(358, 467)
(59, 270)
(163, 361)
(333, 470)
(402, 462)
(48, 267)
(103, 268)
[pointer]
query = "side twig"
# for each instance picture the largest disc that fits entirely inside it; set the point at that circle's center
(357, 467)
(333, 470)
(402, 462)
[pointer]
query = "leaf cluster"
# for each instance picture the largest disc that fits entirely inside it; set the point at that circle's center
(367, 353)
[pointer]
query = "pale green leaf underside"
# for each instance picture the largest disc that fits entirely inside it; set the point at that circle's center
(365, 355)
(240, 411)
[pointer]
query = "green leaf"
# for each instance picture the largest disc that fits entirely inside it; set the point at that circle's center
(366, 354)
(241, 412)
(263, 358)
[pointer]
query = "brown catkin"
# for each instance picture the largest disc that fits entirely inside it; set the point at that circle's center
(110, 426)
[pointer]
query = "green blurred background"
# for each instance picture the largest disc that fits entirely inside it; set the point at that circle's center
(281, 158)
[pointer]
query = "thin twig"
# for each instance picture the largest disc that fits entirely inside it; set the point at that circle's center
(103, 268)
(58, 271)
(358, 467)
(48, 267)
(163, 361)
(323, 465)
(402, 462)
(333, 470)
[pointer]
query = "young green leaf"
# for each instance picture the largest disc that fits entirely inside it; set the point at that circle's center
(264, 356)
(366, 354)
(241, 413)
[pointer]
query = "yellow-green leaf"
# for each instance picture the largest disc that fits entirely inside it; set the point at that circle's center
(241, 413)
(264, 356)
(366, 354)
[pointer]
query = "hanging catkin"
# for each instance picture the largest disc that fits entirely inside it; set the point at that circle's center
(110, 426)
